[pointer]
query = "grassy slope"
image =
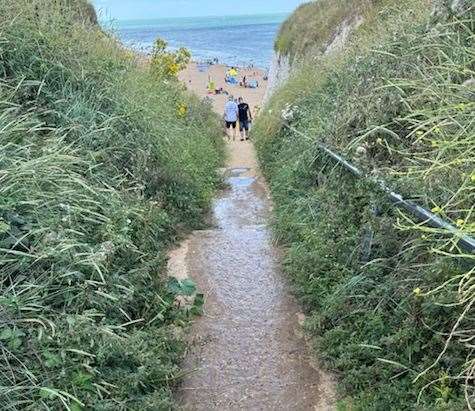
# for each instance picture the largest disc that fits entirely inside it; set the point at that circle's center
(397, 103)
(311, 26)
(99, 175)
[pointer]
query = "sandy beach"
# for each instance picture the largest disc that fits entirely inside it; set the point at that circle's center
(197, 81)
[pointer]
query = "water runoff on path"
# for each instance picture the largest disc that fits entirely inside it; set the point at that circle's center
(246, 352)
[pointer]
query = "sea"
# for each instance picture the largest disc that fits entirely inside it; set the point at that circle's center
(232, 40)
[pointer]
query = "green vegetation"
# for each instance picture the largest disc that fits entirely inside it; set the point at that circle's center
(312, 25)
(389, 301)
(165, 64)
(100, 171)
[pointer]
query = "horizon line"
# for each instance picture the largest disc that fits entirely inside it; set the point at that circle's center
(111, 19)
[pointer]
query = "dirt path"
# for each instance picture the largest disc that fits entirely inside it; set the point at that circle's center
(247, 351)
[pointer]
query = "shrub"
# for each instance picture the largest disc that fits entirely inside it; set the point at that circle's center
(166, 64)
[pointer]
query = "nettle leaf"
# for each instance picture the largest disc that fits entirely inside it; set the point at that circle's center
(186, 287)
(4, 227)
(71, 321)
(15, 343)
(83, 380)
(48, 393)
(9, 333)
(75, 407)
(198, 305)
(6, 334)
(13, 337)
(51, 360)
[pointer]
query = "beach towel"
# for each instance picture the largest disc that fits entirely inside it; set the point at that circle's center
(232, 80)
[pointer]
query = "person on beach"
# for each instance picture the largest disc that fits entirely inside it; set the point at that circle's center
(231, 112)
(245, 118)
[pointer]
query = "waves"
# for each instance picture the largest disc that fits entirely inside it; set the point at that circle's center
(236, 40)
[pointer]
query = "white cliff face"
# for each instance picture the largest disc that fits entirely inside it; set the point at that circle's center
(342, 34)
(282, 65)
(278, 74)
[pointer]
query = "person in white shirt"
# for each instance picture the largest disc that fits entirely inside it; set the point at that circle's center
(231, 111)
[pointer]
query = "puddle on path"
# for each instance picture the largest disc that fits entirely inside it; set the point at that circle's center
(246, 352)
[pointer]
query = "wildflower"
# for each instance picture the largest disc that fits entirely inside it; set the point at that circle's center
(436, 210)
(288, 112)
(361, 151)
(182, 110)
(437, 130)
(434, 143)
(174, 68)
(420, 133)
(417, 292)
(379, 140)
(460, 222)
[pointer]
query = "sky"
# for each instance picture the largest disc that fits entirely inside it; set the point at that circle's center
(149, 9)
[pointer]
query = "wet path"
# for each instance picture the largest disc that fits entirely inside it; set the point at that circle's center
(246, 352)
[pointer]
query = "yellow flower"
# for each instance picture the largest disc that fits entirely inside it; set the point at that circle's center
(436, 210)
(182, 110)
(434, 143)
(417, 292)
(437, 130)
(420, 133)
(460, 222)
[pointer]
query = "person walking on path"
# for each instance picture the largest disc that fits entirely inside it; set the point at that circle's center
(245, 118)
(231, 111)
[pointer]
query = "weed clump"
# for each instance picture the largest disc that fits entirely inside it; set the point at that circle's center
(390, 301)
(99, 176)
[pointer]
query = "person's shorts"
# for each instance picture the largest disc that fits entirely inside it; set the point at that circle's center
(230, 124)
(244, 125)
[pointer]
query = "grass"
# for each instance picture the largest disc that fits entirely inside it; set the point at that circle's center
(99, 176)
(309, 30)
(389, 301)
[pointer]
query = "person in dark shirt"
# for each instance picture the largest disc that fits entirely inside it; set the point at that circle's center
(245, 118)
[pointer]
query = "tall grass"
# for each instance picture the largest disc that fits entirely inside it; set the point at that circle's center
(99, 175)
(390, 301)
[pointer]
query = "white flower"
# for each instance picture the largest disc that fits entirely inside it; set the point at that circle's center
(288, 112)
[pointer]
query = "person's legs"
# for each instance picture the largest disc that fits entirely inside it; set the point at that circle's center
(244, 127)
(228, 130)
(234, 130)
